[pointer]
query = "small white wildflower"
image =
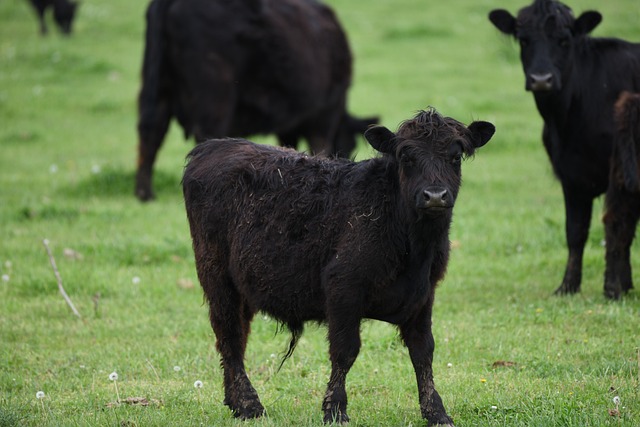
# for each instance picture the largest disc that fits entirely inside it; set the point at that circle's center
(40, 395)
(45, 241)
(176, 368)
(449, 365)
(5, 277)
(273, 356)
(616, 400)
(494, 407)
(135, 280)
(95, 169)
(53, 168)
(197, 384)
(113, 376)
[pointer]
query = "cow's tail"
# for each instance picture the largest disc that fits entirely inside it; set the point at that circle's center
(154, 55)
(627, 138)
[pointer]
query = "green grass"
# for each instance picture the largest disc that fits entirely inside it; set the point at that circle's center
(68, 147)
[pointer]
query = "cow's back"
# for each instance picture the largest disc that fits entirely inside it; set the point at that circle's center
(271, 217)
(279, 62)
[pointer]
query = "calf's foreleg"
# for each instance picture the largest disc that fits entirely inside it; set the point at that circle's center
(418, 338)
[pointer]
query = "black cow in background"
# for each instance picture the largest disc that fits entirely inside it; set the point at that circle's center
(245, 67)
(622, 202)
(315, 239)
(575, 80)
(63, 13)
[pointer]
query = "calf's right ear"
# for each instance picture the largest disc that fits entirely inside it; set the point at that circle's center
(503, 21)
(381, 138)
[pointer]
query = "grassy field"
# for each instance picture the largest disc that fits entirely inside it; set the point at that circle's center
(508, 352)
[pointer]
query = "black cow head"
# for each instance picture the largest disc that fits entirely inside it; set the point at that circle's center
(547, 32)
(428, 151)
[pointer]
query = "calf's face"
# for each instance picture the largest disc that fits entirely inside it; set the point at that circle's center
(547, 33)
(428, 151)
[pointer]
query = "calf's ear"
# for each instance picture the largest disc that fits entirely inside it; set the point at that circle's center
(481, 133)
(381, 138)
(503, 21)
(587, 22)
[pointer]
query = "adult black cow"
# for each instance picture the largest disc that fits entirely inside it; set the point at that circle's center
(239, 68)
(315, 239)
(622, 202)
(63, 13)
(575, 80)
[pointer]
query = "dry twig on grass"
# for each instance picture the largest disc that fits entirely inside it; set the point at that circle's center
(45, 242)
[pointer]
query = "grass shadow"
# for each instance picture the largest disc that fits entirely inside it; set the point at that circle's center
(113, 183)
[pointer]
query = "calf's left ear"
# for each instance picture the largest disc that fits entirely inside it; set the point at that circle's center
(381, 138)
(481, 133)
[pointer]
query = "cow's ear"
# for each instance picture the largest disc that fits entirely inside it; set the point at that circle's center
(381, 138)
(503, 21)
(481, 133)
(587, 22)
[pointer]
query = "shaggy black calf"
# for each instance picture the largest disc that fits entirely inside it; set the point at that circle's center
(622, 202)
(314, 239)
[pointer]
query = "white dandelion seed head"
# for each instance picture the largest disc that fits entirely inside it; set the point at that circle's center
(616, 400)
(95, 169)
(113, 376)
(135, 280)
(40, 395)
(197, 384)
(53, 168)
(176, 368)
(5, 277)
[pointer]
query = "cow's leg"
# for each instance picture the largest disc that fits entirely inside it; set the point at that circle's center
(418, 338)
(578, 210)
(230, 318)
(620, 220)
(344, 345)
(152, 128)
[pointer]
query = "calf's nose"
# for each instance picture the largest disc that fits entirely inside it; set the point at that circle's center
(436, 197)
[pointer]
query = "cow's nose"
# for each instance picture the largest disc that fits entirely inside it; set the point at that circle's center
(436, 197)
(541, 81)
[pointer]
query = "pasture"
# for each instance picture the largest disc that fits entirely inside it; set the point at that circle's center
(508, 352)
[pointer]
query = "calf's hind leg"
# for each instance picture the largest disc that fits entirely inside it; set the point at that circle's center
(230, 318)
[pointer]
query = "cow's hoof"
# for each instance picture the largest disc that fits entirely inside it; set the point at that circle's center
(612, 293)
(144, 195)
(565, 289)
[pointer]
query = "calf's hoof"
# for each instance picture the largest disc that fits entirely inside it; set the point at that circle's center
(337, 418)
(248, 409)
